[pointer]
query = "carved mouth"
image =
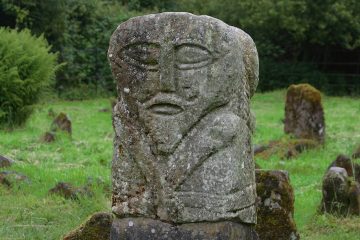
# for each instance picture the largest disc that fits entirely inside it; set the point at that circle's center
(165, 109)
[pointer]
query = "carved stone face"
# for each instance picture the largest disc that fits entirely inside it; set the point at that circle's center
(173, 72)
(182, 146)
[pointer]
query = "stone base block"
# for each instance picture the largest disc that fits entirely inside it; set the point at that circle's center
(150, 229)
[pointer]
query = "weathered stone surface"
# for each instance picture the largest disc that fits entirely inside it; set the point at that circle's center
(97, 227)
(275, 206)
(68, 191)
(345, 162)
(5, 162)
(341, 187)
(62, 122)
(151, 229)
(304, 115)
(352, 166)
(182, 150)
(335, 191)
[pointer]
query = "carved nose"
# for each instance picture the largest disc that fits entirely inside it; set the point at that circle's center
(167, 80)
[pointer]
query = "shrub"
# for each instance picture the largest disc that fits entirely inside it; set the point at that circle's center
(27, 68)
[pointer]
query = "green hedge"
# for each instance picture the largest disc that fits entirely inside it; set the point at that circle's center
(27, 68)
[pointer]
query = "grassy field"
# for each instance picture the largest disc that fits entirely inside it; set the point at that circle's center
(27, 211)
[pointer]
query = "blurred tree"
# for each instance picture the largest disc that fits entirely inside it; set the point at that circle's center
(78, 29)
(139, 5)
(27, 69)
(297, 33)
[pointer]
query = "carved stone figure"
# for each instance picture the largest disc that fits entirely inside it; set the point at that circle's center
(182, 148)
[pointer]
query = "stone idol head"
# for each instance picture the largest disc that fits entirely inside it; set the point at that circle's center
(174, 68)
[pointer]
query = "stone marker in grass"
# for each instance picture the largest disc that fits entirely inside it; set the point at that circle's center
(183, 165)
(341, 187)
(304, 115)
(275, 206)
(63, 123)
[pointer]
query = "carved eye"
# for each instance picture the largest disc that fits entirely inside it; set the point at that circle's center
(192, 56)
(143, 54)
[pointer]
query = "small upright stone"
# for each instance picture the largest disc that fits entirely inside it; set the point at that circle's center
(335, 191)
(351, 166)
(182, 148)
(341, 187)
(48, 137)
(304, 115)
(356, 153)
(275, 206)
(62, 122)
(345, 162)
(5, 162)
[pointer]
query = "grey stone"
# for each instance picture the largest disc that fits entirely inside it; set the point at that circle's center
(335, 189)
(304, 114)
(5, 162)
(343, 162)
(340, 192)
(150, 229)
(63, 123)
(182, 148)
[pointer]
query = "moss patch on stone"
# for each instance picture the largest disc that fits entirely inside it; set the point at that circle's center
(305, 91)
(97, 227)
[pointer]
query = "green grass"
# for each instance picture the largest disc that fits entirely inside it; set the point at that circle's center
(342, 116)
(27, 211)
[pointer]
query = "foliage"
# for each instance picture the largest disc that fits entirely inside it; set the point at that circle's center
(83, 92)
(281, 28)
(79, 30)
(140, 5)
(26, 70)
(277, 75)
(302, 34)
(286, 32)
(84, 44)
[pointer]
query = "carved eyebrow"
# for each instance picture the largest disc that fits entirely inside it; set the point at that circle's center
(139, 45)
(141, 54)
(192, 44)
